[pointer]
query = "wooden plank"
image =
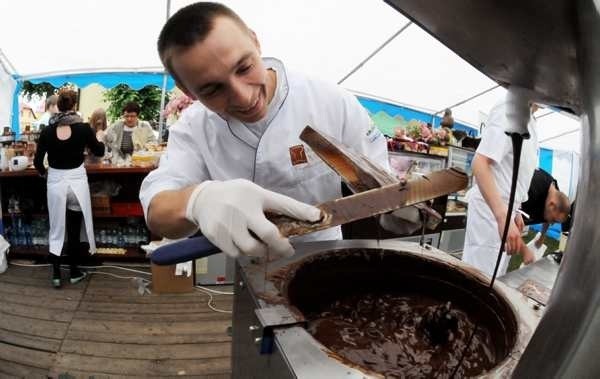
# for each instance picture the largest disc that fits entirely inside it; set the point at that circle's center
(25, 340)
(34, 327)
(151, 328)
(70, 293)
(25, 279)
(145, 308)
(164, 317)
(40, 313)
(147, 339)
(29, 272)
(27, 357)
(179, 367)
(136, 351)
(77, 374)
(150, 299)
(10, 369)
(58, 304)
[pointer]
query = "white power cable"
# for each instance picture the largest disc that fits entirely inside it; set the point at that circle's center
(205, 290)
(107, 266)
(210, 299)
(120, 268)
(215, 291)
(118, 276)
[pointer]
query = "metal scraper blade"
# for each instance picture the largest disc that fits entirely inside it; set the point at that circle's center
(376, 201)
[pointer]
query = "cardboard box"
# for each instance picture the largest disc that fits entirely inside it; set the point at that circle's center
(164, 280)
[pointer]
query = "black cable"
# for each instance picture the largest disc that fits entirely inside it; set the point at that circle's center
(517, 143)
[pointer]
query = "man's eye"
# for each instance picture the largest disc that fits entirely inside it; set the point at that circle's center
(244, 69)
(210, 91)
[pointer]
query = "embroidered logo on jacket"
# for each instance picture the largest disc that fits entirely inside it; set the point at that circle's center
(298, 155)
(373, 133)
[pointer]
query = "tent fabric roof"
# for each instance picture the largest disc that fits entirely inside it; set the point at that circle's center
(323, 38)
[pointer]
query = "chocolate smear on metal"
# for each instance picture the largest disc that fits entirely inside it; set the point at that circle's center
(399, 314)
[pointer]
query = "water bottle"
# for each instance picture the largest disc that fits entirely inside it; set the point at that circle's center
(120, 239)
(103, 240)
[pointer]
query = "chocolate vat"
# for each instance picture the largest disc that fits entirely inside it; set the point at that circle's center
(319, 273)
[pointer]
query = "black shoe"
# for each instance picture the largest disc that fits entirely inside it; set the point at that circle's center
(78, 276)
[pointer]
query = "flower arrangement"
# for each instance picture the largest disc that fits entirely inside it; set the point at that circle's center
(176, 105)
(419, 136)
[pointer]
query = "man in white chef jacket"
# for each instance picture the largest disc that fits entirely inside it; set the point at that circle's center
(236, 152)
(488, 198)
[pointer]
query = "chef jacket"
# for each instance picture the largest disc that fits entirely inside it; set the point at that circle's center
(205, 146)
(482, 240)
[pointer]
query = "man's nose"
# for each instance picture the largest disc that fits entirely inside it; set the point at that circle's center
(240, 94)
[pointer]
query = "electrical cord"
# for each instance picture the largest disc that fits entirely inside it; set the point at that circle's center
(205, 290)
(517, 143)
(210, 299)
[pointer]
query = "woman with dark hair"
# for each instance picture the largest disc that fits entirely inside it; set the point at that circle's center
(65, 140)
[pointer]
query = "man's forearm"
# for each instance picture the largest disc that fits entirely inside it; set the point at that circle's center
(166, 214)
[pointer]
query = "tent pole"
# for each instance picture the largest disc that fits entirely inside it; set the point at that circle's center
(163, 95)
(375, 52)
(468, 99)
(560, 135)
(6, 64)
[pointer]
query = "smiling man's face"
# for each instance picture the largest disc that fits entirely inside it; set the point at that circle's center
(226, 73)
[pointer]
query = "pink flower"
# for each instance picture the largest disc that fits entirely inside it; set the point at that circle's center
(176, 105)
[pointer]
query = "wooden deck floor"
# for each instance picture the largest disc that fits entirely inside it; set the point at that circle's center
(102, 328)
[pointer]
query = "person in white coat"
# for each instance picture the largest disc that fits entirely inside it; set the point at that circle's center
(65, 140)
(488, 198)
(236, 151)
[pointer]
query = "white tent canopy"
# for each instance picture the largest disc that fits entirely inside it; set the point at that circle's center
(324, 38)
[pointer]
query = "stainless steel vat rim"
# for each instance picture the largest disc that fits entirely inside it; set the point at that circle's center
(527, 318)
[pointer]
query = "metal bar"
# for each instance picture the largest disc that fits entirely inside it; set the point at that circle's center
(4, 62)
(149, 69)
(559, 135)
(469, 99)
(375, 52)
(565, 343)
(163, 94)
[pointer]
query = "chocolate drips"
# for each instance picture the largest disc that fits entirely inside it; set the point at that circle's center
(392, 335)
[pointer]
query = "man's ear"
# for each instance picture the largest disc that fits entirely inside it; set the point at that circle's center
(255, 40)
(185, 91)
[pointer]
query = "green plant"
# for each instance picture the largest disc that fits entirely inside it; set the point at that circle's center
(148, 99)
(41, 89)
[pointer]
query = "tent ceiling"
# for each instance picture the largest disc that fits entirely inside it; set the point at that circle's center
(318, 37)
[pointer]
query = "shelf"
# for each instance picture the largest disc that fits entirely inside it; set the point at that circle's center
(133, 254)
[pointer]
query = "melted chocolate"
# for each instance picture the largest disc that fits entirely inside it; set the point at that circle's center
(392, 335)
(400, 315)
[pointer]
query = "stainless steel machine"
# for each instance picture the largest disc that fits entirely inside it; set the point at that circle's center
(550, 48)
(271, 321)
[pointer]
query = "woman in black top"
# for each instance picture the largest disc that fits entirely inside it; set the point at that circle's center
(65, 140)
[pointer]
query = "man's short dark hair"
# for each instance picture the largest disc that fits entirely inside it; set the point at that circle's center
(131, 107)
(188, 26)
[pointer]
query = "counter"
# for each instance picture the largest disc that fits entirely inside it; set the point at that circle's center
(91, 168)
(119, 231)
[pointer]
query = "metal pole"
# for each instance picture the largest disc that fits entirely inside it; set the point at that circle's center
(565, 343)
(559, 135)
(6, 64)
(163, 95)
(469, 99)
(375, 52)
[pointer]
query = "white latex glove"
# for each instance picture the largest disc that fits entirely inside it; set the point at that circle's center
(226, 212)
(538, 253)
